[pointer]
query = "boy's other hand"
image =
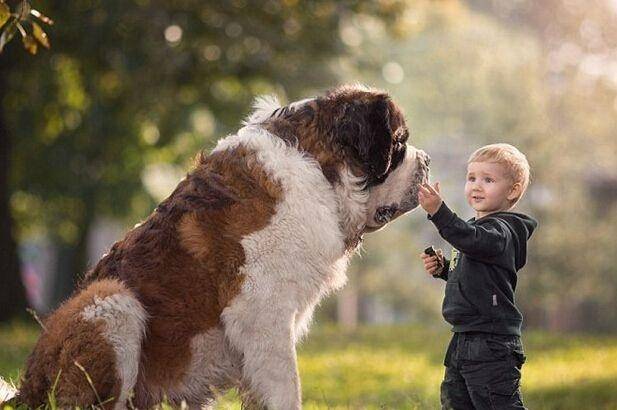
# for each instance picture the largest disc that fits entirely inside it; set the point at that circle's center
(429, 197)
(433, 264)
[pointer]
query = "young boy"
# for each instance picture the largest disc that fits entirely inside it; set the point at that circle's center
(485, 356)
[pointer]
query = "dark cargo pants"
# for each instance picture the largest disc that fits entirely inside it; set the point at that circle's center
(483, 371)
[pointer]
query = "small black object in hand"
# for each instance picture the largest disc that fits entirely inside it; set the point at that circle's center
(430, 251)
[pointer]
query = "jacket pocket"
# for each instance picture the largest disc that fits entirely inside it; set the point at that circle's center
(457, 309)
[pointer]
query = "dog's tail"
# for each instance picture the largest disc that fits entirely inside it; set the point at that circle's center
(7, 391)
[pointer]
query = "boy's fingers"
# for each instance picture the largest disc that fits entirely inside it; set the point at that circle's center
(423, 190)
(431, 189)
(430, 264)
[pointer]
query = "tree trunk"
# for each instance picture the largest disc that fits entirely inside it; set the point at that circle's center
(72, 262)
(347, 306)
(12, 293)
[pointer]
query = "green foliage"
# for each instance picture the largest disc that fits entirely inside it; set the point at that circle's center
(132, 86)
(109, 120)
(400, 367)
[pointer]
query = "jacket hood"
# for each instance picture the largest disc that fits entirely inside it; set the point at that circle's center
(522, 227)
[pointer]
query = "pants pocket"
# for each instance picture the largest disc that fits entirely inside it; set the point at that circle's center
(519, 357)
(505, 395)
(478, 350)
(504, 347)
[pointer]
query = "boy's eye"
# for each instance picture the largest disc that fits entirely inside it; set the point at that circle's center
(489, 179)
(471, 179)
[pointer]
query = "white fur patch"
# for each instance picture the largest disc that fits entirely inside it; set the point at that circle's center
(266, 106)
(7, 392)
(352, 202)
(290, 265)
(214, 368)
(125, 320)
(263, 107)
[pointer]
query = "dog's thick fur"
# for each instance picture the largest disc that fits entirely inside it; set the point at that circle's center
(218, 285)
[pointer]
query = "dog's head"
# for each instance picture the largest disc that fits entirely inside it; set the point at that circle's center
(371, 130)
(357, 131)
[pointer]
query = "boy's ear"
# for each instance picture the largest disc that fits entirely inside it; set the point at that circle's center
(515, 191)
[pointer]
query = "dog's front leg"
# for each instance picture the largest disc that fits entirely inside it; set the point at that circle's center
(263, 333)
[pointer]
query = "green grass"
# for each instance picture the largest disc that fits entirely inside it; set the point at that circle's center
(401, 368)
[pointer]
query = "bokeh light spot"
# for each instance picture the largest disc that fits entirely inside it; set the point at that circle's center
(173, 34)
(393, 72)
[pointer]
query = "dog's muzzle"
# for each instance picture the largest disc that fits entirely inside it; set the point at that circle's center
(387, 213)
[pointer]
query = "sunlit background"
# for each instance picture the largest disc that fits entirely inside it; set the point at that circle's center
(103, 125)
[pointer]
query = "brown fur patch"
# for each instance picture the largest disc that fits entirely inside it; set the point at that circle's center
(316, 129)
(303, 128)
(183, 261)
(69, 338)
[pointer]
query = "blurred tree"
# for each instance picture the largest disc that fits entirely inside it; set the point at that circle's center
(574, 286)
(131, 90)
(12, 295)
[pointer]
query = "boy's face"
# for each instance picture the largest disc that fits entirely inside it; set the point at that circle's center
(488, 188)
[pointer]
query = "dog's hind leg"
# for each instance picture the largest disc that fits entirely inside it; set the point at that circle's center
(124, 323)
(88, 352)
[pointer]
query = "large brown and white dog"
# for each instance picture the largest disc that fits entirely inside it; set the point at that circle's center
(217, 286)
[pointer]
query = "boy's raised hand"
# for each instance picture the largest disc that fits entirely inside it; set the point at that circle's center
(432, 264)
(429, 197)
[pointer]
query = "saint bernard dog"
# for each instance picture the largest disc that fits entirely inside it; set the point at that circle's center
(216, 287)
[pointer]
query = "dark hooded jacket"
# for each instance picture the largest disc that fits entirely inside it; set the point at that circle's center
(481, 275)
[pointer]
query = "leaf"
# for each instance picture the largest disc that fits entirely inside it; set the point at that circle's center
(41, 17)
(40, 35)
(30, 44)
(5, 13)
(8, 34)
(23, 9)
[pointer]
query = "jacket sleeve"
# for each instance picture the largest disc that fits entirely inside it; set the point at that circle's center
(481, 240)
(444, 271)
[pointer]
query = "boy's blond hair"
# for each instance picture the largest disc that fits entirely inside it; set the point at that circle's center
(514, 161)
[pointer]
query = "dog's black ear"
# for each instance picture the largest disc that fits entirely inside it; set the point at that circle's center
(364, 127)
